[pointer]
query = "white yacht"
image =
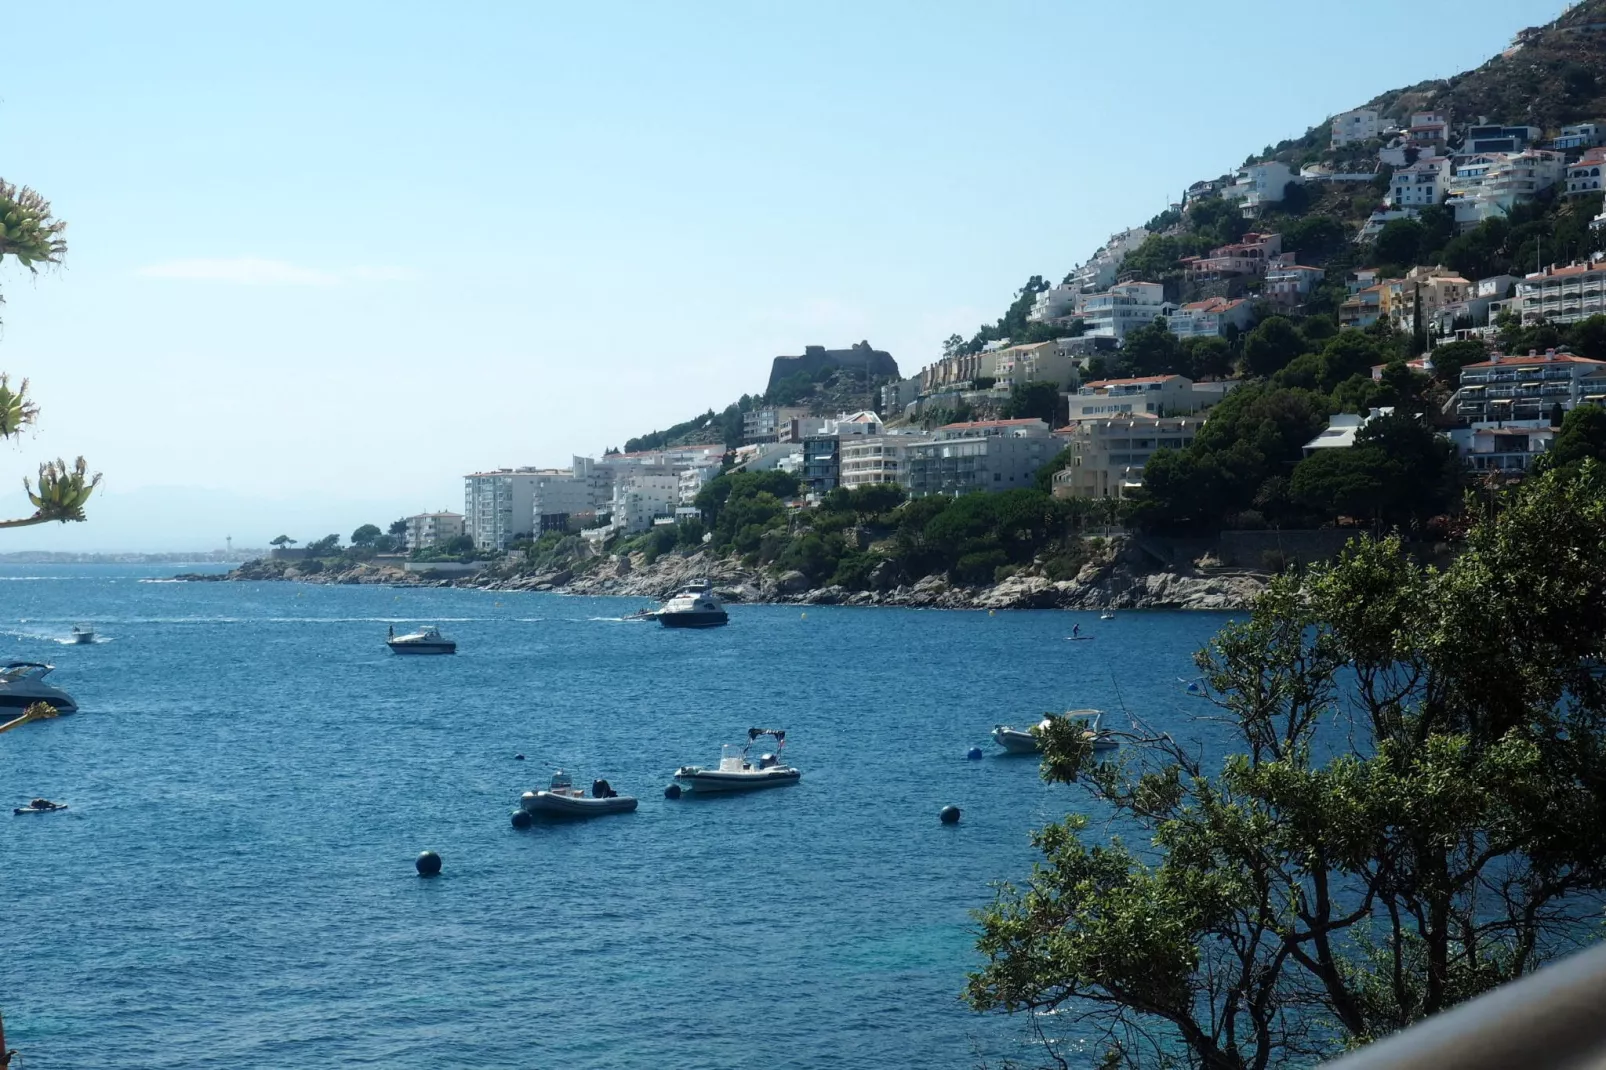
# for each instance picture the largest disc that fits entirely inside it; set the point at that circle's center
(22, 684)
(693, 606)
(1029, 740)
(563, 799)
(736, 772)
(82, 634)
(424, 641)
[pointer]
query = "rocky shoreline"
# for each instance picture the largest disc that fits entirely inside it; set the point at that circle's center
(1121, 578)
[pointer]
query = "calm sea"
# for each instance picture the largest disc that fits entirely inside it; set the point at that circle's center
(253, 773)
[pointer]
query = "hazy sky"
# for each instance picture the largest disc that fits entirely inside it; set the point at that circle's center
(325, 258)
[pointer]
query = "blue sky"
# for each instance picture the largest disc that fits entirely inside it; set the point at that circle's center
(325, 258)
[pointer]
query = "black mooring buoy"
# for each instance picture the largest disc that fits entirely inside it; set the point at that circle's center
(672, 791)
(949, 815)
(974, 754)
(522, 819)
(428, 864)
(518, 757)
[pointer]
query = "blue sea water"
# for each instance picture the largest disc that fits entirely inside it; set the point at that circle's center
(252, 774)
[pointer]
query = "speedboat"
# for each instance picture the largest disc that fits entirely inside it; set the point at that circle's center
(39, 806)
(1029, 740)
(1108, 614)
(736, 772)
(424, 641)
(22, 684)
(693, 606)
(82, 633)
(563, 799)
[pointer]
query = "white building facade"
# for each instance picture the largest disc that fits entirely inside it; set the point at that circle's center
(1108, 455)
(989, 455)
(1360, 124)
(1124, 308)
(433, 529)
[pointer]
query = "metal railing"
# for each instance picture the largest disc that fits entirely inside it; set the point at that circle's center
(1554, 1019)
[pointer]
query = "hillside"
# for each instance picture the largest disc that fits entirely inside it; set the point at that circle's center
(1551, 75)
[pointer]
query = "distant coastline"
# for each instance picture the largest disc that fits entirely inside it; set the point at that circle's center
(44, 557)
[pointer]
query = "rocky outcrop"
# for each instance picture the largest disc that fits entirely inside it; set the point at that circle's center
(1118, 577)
(356, 572)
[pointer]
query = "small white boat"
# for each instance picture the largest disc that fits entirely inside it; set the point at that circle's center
(736, 772)
(1108, 614)
(424, 641)
(563, 799)
(1029, 740)
(82, 634)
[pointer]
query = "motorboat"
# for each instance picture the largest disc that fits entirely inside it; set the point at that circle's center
(22, 684)
(1029, 740)
(82, 634)
(562, 799)
(640, 614)
(424, 641)
(1108, 614)
(737, 772)
(39, 806)
(693, 606)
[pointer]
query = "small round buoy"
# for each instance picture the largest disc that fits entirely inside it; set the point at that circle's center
(518, 757)
(522, 819)
(974, 754)
(803, 616)
(428, 864)
(949, 815)
(672, 791)
(990, 613)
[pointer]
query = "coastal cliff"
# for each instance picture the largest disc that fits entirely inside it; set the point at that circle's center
(356, 572)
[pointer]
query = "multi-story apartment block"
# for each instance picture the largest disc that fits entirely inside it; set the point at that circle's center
(895, 397)
(987, 455)
(642, 496)
(1428, 129)
(1099, 273)
(1152, 395)
(1124, 308)
(1564, 294)
(1056, 303)
(1423, 183)
(1584, 176)
(1044, 362)
(762, 425)
(822, 463)
(433, 529)
(1507, 388)
(1489, 184)
(498, 506)
(1107, 456)
(1361, 124)
(1258, 184)
(870, 459)
(1210, 318)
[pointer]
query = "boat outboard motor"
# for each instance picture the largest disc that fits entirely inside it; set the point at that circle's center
(766, 760)
(601, 789)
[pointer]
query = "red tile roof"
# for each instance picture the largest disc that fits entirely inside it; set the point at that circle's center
(1506, 361)
(1570, 269)
(1129, 382)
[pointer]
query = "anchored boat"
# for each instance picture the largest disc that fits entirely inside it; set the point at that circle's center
(1030, 741)
(22, 684)
(563, 799)
(736, 772)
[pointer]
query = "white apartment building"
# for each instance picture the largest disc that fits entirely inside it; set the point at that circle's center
(499, 506)
(641, 497)
(1290, 284)
(1210, 318)
(1151, 395)
(761, 425)
(1124, 308)
(1421, 184)
(1503, 389)
(433, 529)
(1057, 302)
(1259, 183)
(1490, 184)
(987, 455)
(692, 479)
(1099, 273)
(1360, 124)
(871, 459)
(1107, 456)
(1579, 136)
(1584, 176)
(1563, 294)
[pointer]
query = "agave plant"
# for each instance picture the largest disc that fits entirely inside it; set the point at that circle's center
(27, 229)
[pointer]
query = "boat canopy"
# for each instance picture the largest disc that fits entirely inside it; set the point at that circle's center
(778, 733)
(24, 670)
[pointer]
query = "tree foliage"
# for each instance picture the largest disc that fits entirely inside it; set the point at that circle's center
(1404, 807)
